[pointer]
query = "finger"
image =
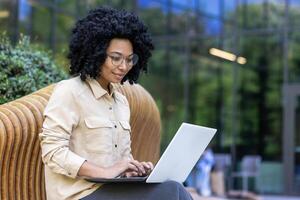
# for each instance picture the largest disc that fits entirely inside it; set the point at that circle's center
(131, 174)
(147, 166)
(139, 166)
(150, 165)
(132, 167)
(127, 174)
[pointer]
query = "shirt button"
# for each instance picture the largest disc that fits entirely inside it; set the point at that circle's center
(115, 126)
(110, 108)
(69, 173)
(116, 145)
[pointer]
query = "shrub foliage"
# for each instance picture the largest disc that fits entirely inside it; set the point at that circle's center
(24, 69)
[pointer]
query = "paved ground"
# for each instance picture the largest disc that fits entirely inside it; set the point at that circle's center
(253, 197)
(273, 197)
(196, 197)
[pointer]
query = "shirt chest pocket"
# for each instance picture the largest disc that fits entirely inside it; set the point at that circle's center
(125, 135)
(98, 136)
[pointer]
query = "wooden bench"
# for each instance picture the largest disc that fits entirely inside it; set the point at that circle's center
(21, 168)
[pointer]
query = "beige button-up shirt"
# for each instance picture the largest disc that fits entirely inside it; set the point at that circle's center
(82, 122)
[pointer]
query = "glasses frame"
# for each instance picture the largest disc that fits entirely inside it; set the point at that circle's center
(134, 57)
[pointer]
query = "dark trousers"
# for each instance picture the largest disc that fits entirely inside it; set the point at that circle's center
(169, 190)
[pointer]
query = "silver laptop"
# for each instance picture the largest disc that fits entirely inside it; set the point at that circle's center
(179, 158)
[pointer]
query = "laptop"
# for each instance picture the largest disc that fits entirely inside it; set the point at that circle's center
(178, 159)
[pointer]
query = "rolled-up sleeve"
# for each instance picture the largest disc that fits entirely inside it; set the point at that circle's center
(61, 117)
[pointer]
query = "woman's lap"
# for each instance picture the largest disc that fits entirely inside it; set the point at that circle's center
(140, 191)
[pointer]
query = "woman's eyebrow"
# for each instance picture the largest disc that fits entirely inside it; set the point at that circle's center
(119, 53)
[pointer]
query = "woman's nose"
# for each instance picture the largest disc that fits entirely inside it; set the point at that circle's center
(123, 65)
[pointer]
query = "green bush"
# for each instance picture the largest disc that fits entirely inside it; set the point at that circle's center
(24, 69)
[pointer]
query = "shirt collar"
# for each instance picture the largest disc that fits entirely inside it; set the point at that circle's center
(98, 90)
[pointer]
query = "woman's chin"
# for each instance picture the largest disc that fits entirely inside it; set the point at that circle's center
(116, 80)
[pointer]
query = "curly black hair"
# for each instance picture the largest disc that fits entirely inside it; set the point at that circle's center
(92, 35)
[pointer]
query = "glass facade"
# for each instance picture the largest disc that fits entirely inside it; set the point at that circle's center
(188, 82)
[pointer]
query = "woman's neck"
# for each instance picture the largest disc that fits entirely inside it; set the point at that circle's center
(104, 84)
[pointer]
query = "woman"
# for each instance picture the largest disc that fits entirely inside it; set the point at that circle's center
(86, 131)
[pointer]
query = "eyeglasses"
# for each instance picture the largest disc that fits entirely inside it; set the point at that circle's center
(117, 59)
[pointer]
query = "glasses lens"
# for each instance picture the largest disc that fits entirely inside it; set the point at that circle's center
(135, 59)
(116, 59)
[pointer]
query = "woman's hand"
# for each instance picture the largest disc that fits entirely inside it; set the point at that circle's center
(124, 167)
(91, 170)
(144, 169)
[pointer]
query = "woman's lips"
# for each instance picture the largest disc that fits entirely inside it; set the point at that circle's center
(119, 76)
